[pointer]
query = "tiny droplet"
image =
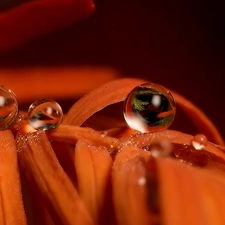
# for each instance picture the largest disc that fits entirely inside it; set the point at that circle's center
(142, 181)
(161, 148)
(8, 107)
(149, 108)
(45, 114)
(199, 141)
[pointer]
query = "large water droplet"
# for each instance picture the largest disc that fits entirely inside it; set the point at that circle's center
(8, 107)
(149, 108)
(45, 114)
(199, 141)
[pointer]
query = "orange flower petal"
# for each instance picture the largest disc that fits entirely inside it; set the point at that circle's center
(11, 207)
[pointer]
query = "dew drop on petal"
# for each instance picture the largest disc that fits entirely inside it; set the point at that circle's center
(199, 141)
(149, 108)
(160, 148)
(142, 181)
(8, 107)
(45, 114)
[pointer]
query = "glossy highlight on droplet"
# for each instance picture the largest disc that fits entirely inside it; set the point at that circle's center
(45, 114)
(149, 107)
(199, 141)
(8, 107)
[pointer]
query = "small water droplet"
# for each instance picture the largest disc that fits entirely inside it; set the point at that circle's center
(199, 141)
(113, 145)
(103, 133)
(146, 147)
(8, 107)
(149, 108)
(142, 181)
(45, 114)
(160, 148)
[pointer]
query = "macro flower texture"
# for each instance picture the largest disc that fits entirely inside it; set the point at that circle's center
(111, 159)
(67, 169)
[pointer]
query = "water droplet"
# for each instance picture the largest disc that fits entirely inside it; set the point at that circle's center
(149, 108)
(142, 181)
(103, 133)
(8, 107)
(160, 148)
(45, 114)
(199, 141)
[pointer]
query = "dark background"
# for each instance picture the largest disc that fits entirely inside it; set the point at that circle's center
(179, 44)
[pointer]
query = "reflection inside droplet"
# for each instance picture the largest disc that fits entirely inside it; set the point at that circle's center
(8, 107)
(199, 141)
(149, 107)
(45, 114)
